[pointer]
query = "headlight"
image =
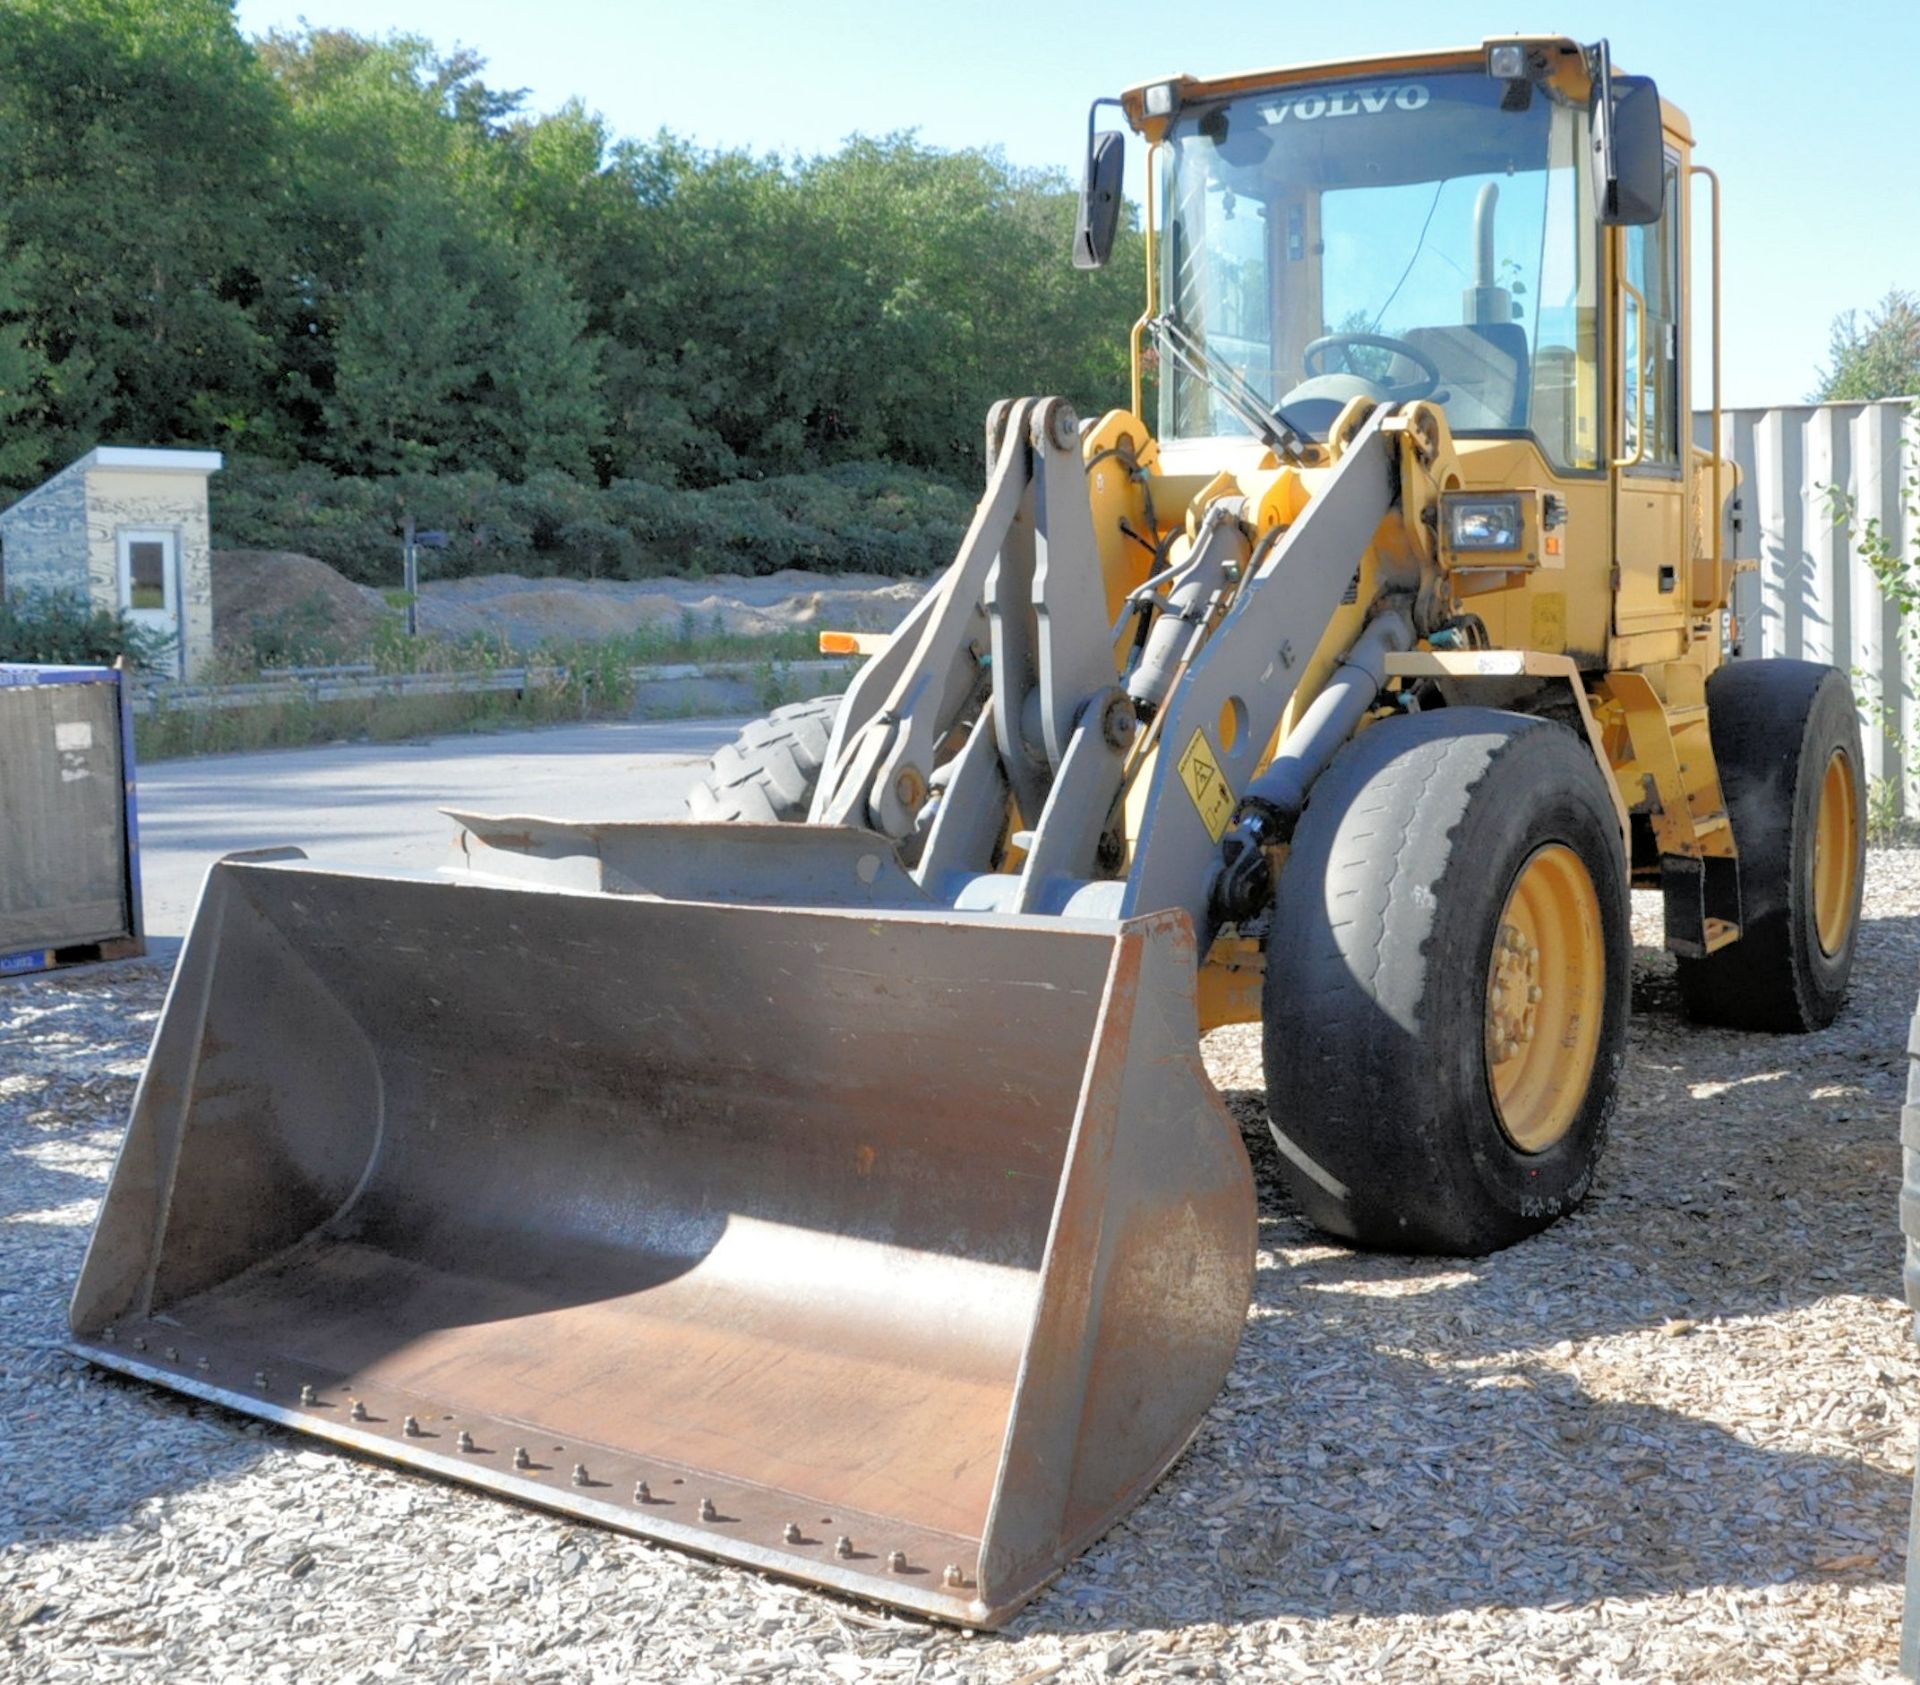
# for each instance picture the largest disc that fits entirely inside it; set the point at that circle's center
(1159, 100)
(1508, 61)
(1484, 523)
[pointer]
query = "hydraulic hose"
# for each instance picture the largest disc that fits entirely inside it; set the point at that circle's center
(1279, 793)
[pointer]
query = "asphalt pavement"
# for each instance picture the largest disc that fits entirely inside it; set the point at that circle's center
(379, 803)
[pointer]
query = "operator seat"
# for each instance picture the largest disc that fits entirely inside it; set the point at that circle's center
(1483, 372)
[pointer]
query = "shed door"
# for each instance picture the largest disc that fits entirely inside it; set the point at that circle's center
(150, 580)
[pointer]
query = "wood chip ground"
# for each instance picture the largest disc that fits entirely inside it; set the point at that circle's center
(1670, 1440)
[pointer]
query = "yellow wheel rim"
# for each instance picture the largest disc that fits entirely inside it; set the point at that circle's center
(1836, 855)
(1546, 994)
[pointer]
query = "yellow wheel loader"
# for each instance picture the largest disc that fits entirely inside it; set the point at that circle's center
(831, 1183)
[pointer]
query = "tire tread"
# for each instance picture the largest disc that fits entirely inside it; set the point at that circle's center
(767, 774)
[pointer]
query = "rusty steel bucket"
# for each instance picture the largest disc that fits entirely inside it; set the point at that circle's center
(895, 1251)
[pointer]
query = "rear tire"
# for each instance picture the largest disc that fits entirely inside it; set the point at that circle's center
(768, 773)
(1786, 738)
(1432, 1088)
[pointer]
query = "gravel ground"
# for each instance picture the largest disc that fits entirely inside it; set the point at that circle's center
(1669, 1440)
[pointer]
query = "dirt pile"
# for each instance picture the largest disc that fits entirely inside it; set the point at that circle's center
(280, 604)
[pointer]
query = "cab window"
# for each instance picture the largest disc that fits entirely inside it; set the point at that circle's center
(1426, 237)
(1650, 342)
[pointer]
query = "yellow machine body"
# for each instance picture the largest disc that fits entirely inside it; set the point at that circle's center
(1624, 606)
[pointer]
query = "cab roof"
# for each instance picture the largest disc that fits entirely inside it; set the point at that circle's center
(1556, 58)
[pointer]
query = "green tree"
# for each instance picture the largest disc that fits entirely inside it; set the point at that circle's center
(976, 297)
(535, 405)
(1879, 358)
(764, 316)
(425, 329)
(24, 375)
(358, 254)
(377, 170)
(137, 168)
(402, 351)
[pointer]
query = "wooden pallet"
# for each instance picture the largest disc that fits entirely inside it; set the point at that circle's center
(25, 962)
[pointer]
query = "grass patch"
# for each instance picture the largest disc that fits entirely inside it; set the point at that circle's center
(302, 636)
(169, 733)
(659, 646)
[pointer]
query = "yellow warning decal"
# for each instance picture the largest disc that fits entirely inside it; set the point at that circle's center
(1208, 786)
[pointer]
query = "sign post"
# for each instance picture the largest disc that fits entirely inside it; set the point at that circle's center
(412, 543)
(410, 580)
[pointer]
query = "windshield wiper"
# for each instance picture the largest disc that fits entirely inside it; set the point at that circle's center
(1266, 421)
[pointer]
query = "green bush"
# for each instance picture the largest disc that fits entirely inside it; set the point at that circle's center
(62, 628)
(303, 634)
(859, 517)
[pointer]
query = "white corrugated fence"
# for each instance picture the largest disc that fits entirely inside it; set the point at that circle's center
(1813, 595)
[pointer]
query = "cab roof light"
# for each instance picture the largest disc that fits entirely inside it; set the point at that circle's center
(1507, 61)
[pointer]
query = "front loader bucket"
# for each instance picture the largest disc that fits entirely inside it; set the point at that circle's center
(895, 1251)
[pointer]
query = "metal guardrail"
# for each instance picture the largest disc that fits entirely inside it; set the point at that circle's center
(315, 685)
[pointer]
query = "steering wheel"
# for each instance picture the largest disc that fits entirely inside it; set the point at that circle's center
(1313, 359)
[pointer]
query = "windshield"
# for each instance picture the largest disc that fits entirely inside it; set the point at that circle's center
(1422, 237)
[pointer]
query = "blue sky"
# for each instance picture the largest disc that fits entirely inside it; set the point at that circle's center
(1806, 112)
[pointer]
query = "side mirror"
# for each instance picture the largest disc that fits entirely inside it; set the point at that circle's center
(1100, 200)
(1629, 145)
(1632, 198)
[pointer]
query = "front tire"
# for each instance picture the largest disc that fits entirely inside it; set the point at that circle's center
(1786, 739)
(1446, 990)
(768, 773)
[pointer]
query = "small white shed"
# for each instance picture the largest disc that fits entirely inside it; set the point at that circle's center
(128, 528)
